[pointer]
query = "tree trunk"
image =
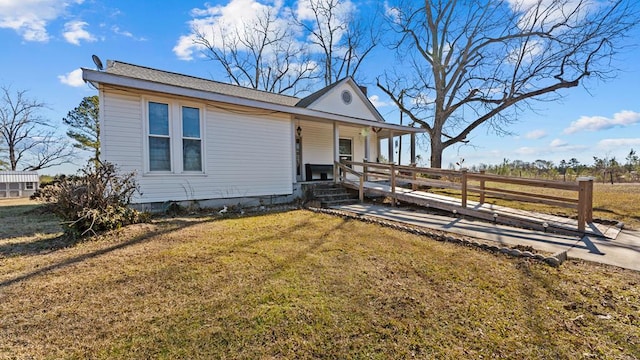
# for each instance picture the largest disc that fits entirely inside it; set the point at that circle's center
(436, 152)
(12, 158)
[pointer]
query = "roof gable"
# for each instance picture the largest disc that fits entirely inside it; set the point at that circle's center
(343, 97)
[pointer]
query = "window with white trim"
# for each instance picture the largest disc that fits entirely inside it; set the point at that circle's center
(159, 137)
(174, 137)
(345, 149)
(29, 186)
(191, 140)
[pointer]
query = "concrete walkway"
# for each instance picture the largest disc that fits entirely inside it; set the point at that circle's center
(623, 251)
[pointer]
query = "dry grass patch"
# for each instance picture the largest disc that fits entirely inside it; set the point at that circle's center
(306, 285)
(24, 228)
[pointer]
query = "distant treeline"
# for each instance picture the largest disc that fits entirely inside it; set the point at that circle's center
(603, 169)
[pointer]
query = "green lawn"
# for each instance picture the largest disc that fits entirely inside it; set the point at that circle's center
(304, 285)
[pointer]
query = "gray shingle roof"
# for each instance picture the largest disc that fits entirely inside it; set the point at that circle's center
(316, 95)
(191, 82)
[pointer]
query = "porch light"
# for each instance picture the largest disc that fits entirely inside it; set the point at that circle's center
(299, 131)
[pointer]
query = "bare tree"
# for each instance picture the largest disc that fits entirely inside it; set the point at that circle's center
(263, 54)
(27, 136)
(481, 62)
(343, 39)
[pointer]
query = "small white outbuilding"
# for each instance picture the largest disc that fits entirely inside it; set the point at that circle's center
(14, 184)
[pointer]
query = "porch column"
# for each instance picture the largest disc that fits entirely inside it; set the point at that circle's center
(413, 148)
(336, 142)
(336, 152)
(367, 146)
(293, 150)
(391, 147)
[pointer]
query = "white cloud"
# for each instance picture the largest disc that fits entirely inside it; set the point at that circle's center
(595, 123)
(615, 144)
(116, 29)
(535, 134)
(30, 18)
(221, 22)
(558, 143)
(74, 32)
(73, 78)
(392, 12)
(375, 100)
(547, 13)
(526, 151)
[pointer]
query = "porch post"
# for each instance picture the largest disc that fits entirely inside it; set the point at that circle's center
(367, 146)
(413, 148)
(293, 150)
(336, 151)
(336, 142)
(391, 160)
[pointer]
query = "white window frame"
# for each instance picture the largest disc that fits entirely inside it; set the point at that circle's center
(201, 138)
(147, 131)
(29, 186)
(352, 150)
(175, 135)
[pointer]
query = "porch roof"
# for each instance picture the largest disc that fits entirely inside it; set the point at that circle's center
(138, 77)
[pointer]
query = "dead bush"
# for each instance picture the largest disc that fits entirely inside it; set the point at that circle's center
(95, 200)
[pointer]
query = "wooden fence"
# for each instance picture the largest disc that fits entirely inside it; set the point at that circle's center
(469, 182)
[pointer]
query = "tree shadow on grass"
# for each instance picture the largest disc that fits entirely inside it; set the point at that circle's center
(174, 225)
(38, 247)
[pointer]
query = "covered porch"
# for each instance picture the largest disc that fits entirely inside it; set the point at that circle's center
(319, 143)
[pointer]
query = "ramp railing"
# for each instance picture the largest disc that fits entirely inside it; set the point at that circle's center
(466, 182)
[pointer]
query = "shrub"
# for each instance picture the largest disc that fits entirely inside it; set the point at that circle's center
(95, 200)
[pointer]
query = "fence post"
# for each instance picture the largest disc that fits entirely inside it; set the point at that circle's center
(361, 189)
(365, 168)
(464, 188)
(585, 202)
(482, 172)
(414, 177)
(393, 184)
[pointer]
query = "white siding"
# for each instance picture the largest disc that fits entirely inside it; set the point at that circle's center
(121, 131)
(332, 102)
(317, 143)
(244, 154)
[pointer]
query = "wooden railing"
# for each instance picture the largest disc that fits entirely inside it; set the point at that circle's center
(467, 182)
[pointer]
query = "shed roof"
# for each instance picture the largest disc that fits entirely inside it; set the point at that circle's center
(18, 176)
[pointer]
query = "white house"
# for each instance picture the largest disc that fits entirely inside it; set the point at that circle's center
(195, 139)
(15, 184)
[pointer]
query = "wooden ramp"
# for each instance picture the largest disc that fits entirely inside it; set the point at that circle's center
(488, 212)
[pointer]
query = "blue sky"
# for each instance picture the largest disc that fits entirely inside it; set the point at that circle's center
(45, 42)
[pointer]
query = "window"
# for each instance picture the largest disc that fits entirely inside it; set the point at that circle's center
(346, 97)
(159, 139)
(345, 149)
(29, 186)
(191, 141)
